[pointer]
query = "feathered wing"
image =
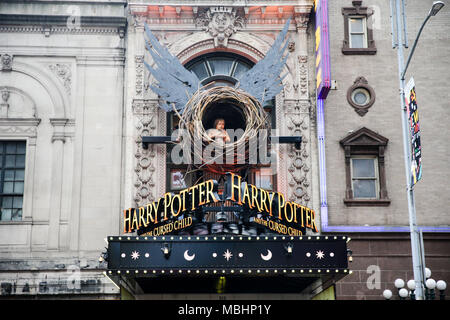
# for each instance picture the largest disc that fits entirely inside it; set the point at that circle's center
(263, 81)
(175, 83)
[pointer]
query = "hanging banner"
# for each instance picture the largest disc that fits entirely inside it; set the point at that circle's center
(322, 49)
(414, 129)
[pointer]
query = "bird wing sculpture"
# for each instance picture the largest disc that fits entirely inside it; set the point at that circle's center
(176, 84)
(263, 81)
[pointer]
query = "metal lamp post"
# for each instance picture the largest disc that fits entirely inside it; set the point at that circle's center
(416, 244)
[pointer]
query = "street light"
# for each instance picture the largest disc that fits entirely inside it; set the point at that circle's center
(430, 286)
(416, 245)
(441, 286)
(437, 5)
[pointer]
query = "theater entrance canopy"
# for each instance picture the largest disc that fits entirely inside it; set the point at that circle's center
(304, 265)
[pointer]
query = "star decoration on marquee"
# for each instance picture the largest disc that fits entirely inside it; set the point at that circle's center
(227, 255)
(320, 254)
(135, 255)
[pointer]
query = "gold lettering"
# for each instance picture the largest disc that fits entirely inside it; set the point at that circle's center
(183, 195)
(135, 221)
(285, 212)
(167, 200)
(177, 196)
(236, 186)
(192, 189)
(141, 217)
(270, 196)
(126, 220)
(255, 197)
(210, 191)
(247, 195)
(280, 204)
(313, 221)
(149, 214)
(201, 193)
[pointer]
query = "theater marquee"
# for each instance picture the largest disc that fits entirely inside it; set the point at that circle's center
(174, 212)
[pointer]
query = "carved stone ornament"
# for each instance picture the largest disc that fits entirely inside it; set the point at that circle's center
(64, 74)
(6, 61)
(146, 124)
(361, 96)
(221, 23)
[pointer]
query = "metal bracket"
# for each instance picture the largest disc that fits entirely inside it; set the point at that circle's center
(146, 140)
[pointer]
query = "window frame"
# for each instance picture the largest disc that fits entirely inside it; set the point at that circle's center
(376, 176)
(3, 168)
(365, 143)
(357, 12)
(364, 31)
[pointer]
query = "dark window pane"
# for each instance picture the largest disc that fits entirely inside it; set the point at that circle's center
(200, 70)
(11, 148)
(7, 202)
(220, 66)
(8, 187)
(364, 189)
(20, 175)
(6, 214)
(9, 175)
(363, 168)
(10, 161)
(21, 148)
(16, 214)
(18, 187)
(20, 161)
(17, 202)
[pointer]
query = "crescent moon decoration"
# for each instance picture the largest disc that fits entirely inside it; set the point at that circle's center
(187, 257)
(268, 256)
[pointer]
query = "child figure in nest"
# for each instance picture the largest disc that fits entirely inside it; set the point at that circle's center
(218, 133)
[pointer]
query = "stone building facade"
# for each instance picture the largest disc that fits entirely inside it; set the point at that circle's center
(380, 228)
(76, 91)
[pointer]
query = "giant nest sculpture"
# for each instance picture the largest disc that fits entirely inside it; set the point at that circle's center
(182, 92)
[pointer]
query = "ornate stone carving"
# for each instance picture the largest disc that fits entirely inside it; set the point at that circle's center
(303, 76)
(299, 177)
(64, 74)
(4, 106)
(139, 62)
(146, 113)
(221, 23)
(6, 61)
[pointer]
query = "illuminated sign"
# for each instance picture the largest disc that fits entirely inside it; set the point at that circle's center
(322, 49)
(172, 212)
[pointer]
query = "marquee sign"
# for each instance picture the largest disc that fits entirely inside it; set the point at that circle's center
(175, 255)
(174, 212)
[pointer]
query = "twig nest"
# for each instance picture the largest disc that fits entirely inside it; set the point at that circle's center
(234, 100)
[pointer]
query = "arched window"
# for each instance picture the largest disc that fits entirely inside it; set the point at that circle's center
(223, 69)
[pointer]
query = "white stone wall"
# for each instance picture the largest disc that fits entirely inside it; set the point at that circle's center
(66, 85)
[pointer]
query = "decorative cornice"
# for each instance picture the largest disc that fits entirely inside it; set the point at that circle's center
(47, 25)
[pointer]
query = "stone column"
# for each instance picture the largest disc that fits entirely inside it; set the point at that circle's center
(58, 140)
